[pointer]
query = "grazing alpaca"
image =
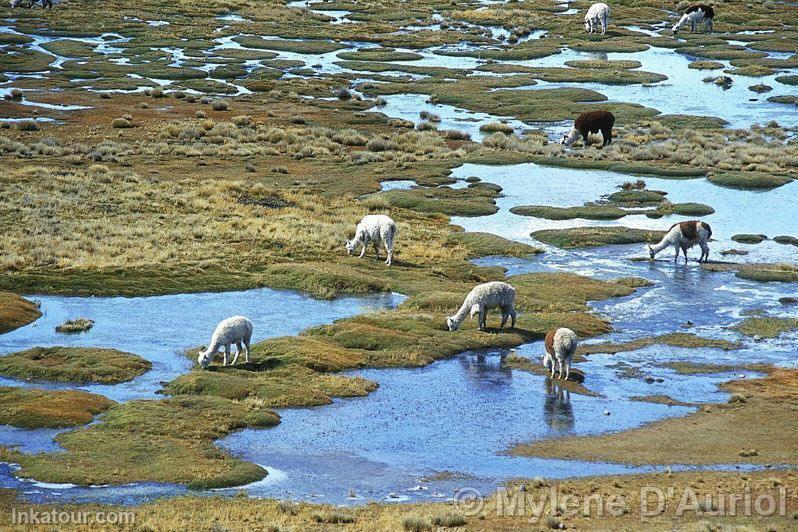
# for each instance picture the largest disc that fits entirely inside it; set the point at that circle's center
(482, 298)
(597, 15)
(560, 349)
(591, 122)
(235, 330)
(46, 4)
(685, 235)
(375, 229)
(694, 15)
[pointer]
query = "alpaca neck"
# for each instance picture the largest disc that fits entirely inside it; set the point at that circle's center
(682, 21)
(461, 314)
(667, 240)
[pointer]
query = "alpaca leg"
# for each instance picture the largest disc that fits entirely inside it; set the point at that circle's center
(567, 368)
(684, 250)
(704, 252)
(363, 251)
(226, 354)
(676, 258)
(238, 352)
(389, 250)
(559, 368)
(586, 137)
(376, 244)
(603, 26)
(483, 318)
(512, 315)
(505, 315)
(246, 354)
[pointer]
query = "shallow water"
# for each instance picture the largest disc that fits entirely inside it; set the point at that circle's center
(677, 95)
(736, 211)
(162, 328)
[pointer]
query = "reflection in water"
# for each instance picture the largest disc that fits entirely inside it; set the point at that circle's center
(557, 410)
(486, 369)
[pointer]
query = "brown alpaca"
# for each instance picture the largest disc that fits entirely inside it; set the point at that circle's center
(588, 123)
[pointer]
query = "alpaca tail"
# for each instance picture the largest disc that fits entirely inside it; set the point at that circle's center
(709, 230)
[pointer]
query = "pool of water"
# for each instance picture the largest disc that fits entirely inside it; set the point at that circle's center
(736, 211)
(677, 95)
(162, 328)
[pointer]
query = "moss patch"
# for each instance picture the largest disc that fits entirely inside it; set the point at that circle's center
(168, 440)
(588, 212)
(477, 200)
(748, 180)
(16, 311)
(766, 327)
(33, 408)
(748, 238)
(73, 364)
(672, 339)
(488, 244)
(583, 237)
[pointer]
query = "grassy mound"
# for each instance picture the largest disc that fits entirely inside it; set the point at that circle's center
(73, 364)
(748, 180)
(748, 238)
(16, 311)
(168, 440)
(584, 237)
(487, 244)
(766, 327)
(477, 200)
(75, 326)
(588, 212)
(673, 339)
(33, 408)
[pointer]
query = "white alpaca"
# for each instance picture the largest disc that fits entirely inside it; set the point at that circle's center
(560, 348)
(235, 330)
(375, 229)
(597, 15)
(683, 236)
(693, 16)
(482, 298)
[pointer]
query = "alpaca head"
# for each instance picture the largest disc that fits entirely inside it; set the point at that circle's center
(651, 252)
(452, 323)
(587, 25)
(204, 359)
(350, 246)
(548, 361)
(569, 138)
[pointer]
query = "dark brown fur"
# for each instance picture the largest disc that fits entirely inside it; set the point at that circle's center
(708, 11)
(593, 122)
(550, 341)
(689, 229)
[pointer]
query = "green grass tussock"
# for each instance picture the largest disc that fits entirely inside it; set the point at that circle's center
(16, 311)
(748, 180)
(581, 237)
(487, 244)
(766, 327)
(73, 364)
(75, 326)
(33, 408)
